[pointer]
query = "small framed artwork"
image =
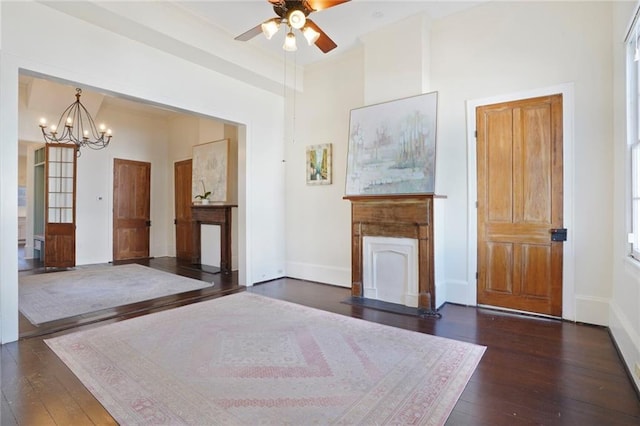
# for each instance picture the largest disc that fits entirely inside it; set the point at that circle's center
(319, 164)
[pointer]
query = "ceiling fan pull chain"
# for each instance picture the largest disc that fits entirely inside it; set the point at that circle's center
(295, 87)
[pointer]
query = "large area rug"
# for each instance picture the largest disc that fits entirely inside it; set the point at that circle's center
(248, 359)
(56, 295)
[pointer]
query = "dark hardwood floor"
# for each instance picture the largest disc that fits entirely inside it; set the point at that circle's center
(535, 371)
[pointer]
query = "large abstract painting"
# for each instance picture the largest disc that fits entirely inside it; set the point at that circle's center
(392, 147)
(210, 170)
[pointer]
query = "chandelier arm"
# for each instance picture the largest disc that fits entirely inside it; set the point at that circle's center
(74, 121)
(63, 128)
(92, 126)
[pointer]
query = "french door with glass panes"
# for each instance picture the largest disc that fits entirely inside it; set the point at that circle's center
(60, 209)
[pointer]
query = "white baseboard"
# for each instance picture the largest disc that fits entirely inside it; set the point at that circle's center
(626, 338)
(592, 310)
(319, 273)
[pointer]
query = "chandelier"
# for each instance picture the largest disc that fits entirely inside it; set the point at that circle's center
(77, 127)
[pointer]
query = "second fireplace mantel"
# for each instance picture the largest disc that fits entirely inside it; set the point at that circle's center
(213, 214)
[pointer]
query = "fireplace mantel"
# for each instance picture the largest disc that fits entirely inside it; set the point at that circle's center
(213, 214)
(400, 216)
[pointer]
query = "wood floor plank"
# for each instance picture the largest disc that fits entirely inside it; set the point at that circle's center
(22, 400)
(534, 371)
(49, 381)
(6, 414)
(489, 400)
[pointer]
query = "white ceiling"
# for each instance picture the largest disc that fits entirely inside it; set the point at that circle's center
(344, 23)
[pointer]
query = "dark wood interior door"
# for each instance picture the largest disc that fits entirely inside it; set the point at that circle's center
(60, 206)
(519, 148)
(184, 233)
(131, 209)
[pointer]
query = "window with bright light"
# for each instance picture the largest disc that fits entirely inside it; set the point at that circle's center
(633, 132)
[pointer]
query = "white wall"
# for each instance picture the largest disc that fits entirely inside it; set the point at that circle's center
(121, 66)
(494, 49)
(392, 72)
(318, 231)
(624, 317)
(137, 138)
(498, 48)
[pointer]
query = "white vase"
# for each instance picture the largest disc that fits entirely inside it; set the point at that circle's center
(205, 201)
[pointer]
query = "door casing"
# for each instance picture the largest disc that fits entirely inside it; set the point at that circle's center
(466, 292)
(519, 149)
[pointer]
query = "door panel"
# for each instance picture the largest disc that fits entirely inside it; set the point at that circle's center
(184, 231)
(519, 151)
(131, 209)
(499, 260)
(500, 163)
(60, 206)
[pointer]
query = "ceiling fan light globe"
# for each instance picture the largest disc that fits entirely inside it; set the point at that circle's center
(311, 35)
(297, 19)
(269, 28)
(290, 43)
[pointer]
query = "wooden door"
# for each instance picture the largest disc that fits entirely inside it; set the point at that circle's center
(60, 206)
(519, 154)
(182, 190)
(131, 209)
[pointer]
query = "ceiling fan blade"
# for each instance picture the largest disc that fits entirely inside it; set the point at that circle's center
(250, 34)
(324, 42)
(324, 4)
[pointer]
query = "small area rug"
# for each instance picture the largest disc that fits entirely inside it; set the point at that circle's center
(56, 295)
(247, 359)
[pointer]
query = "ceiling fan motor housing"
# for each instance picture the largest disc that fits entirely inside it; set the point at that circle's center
(284, 8)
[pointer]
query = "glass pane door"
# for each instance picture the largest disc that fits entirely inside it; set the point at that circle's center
(60, 169)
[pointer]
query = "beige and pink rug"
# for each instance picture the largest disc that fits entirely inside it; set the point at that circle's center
(57, 295)
(247, 359)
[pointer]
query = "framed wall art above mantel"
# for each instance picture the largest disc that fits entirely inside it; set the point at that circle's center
(210, 170)
(392, 147)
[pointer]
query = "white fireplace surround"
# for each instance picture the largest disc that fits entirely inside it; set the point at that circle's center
(390, 270)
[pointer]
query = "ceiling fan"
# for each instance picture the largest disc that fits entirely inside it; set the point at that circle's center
(294, 14)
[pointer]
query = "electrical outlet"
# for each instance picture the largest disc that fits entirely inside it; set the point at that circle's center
(637, 370)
